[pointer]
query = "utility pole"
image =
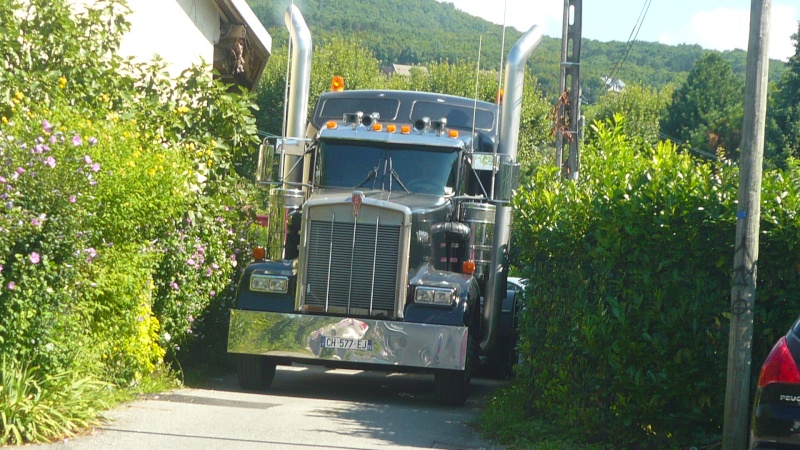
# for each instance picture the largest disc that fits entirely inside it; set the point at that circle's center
(745, 260)
(568, 108)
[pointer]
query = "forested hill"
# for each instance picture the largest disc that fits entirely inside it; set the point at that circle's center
(422, 31)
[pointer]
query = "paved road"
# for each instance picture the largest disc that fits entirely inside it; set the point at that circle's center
(306, 408)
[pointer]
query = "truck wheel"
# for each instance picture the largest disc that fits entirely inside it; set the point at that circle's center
(254, 372)
(502, 364)
(452, 386)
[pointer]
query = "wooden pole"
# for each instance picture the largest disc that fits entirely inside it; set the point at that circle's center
(745, 261)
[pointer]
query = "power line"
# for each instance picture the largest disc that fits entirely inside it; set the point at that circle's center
(631, 39)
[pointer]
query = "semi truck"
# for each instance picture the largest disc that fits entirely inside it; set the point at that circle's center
(388, 232)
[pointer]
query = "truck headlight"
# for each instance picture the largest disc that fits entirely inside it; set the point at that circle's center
(269, 283)
(435, 295)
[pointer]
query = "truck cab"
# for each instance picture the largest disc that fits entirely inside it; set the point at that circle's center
(382, 250)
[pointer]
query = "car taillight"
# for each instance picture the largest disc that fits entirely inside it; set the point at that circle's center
(779, 366)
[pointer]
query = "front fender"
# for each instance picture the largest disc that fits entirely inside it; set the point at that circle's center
(267, 301)
(459, 314)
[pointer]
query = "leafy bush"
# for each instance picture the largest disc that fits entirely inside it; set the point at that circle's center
(113, 178)
(625, 334)
(38, 407)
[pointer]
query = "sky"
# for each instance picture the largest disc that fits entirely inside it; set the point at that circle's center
(713, 24)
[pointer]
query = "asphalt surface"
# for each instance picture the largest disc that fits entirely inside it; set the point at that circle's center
(307, 407)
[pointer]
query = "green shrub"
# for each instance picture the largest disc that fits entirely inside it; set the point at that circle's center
(625, 335)
(38, 407)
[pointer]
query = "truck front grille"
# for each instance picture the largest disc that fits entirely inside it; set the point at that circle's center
(352, 267)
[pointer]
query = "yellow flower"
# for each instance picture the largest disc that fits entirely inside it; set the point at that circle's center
(210, 163)
(19, 96)
(4, 119)
(62, 82)
(182, 110)
(16, 101)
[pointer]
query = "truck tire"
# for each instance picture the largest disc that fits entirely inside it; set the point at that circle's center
(255, 372)
(452, 386)
(501, 365)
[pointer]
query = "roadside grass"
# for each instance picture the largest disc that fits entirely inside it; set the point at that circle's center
(36, 407)
(504, 419)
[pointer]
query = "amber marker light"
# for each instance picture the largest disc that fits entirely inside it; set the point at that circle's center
(391, 128)
(405, 129)
(468, 267)
(377, 127)
(259, 253)
(337, 84)
(453, 133)
(331, 125)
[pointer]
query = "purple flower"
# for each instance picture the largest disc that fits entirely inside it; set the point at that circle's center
(46, 126)
(191, 318)
(35, 222)
(34, 257)
(38, 149)
(212, 293)
(11, 286)
(93, 182)
(91, 254)
(52, 139)
(50, 162)
(95, 167)
(174, 285)
(76, 140)
(72, 199)
(2, 180)
(1, 267)
(92, 140)
(209, 272)
(20, 170)
(191, 262)
(87, 159)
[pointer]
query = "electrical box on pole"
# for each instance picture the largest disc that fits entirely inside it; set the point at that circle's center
(568, 108)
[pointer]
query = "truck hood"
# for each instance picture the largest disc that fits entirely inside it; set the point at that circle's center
(419, 204)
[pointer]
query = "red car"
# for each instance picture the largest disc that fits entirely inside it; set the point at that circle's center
(776, 410)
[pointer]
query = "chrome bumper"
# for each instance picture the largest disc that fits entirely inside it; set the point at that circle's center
(302, 337)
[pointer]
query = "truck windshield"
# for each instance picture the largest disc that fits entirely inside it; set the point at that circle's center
(378, 165)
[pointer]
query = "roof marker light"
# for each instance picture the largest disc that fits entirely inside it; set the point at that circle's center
(391, 128)
(331, 125)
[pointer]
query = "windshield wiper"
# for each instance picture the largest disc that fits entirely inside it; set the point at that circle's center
(370, 175)
(395, 176)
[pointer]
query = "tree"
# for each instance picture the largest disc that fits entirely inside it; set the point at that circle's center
(643, 108)
(707, 110)
(783, 129)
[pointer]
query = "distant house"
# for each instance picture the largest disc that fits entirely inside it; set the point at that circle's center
(223, 33)
(401, 69)
(614, 84)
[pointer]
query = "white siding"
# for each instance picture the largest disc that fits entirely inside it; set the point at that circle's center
(181, 32)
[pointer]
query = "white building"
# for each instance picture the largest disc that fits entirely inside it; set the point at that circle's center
(225, 33)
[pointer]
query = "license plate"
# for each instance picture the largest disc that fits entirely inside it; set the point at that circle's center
(346, 343)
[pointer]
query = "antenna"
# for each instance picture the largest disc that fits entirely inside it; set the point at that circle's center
(475, 105)
(499, 89)
(502, 53)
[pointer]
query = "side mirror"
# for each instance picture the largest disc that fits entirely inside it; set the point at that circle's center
(267, 163)
(270, 156)
(507, 180)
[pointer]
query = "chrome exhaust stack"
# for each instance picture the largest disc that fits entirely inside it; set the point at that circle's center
(297, 100)
(507, 151)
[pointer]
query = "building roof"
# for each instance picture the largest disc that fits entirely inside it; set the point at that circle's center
(246, 65)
